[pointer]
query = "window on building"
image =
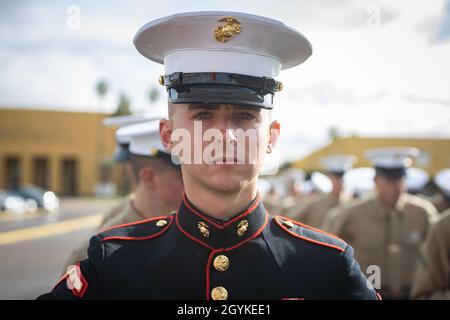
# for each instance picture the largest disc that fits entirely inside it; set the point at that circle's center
(13, 172)
(69, 177)
(41, 172)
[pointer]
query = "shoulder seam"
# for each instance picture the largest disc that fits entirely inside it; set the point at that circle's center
(151, 236)
(133, 223)
(277, 218)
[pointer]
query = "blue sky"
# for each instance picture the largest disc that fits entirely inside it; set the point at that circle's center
(379, 68)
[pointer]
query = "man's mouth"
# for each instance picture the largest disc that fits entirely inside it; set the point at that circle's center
(226, 160)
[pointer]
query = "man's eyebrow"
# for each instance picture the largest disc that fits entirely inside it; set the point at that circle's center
(202, 106)
(247, 108)
(218, 106)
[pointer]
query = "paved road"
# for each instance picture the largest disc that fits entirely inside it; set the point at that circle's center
(33, 249)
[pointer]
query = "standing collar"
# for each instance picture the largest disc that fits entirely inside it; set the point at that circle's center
(216, 234)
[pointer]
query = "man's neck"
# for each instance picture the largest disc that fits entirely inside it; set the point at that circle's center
(388, 205)
(221, 205)
(148, 205)
(336, 193)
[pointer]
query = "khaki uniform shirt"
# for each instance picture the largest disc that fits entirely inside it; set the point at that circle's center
(388, 239)
(291, 206)
(314, 212)
(440, 202)
(433, 271)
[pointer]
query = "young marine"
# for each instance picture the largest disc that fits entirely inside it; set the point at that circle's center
(221, 71)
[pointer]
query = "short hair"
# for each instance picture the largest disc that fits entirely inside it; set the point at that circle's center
(139, 162)
(171, 109)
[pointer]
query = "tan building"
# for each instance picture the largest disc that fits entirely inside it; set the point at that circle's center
(66, 152)
(435, 153)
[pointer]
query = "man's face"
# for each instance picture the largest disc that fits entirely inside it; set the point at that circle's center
(337, 183)
(389, 190)
(227, 144)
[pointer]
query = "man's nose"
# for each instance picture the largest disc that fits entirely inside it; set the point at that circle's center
(227, 129)
(230, 136)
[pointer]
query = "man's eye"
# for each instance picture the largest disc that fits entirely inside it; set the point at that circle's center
(202, 115)
(245, 116)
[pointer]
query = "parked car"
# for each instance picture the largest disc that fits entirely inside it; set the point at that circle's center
(35, 197)
(12, 202)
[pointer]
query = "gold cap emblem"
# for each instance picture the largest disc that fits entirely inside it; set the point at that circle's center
(204, 229)
(219, 293)
(221, 263)
(242, 227)
(228, 30)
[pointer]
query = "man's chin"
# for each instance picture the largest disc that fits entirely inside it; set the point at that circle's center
(226, 182)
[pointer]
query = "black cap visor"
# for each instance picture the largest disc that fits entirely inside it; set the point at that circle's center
(221, 94)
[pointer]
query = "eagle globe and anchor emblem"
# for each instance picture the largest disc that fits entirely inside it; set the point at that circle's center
(228, 30)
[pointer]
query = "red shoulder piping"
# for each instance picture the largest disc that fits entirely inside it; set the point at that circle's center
(277, 218)
(133, 223)
(170, 218)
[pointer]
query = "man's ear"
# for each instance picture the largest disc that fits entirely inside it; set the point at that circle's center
(274, 134)
(147, 176)
(165, 133)
(376, 180)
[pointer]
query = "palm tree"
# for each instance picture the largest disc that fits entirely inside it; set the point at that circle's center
(101, 88)
(124, 106)
(153, 95)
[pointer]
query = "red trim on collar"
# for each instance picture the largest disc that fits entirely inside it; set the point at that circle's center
(218, 226)
(170, 218)
(188, 235)
(266, 221)
(277, 218)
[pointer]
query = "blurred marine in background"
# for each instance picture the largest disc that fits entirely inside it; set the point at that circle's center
(314, 212)
(442, 199)
(158, 183)
(388, 227)
(433, 271)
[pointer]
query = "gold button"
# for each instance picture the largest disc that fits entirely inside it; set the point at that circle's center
(161, 223)
(219, 293)
(242, 227)
(161, 80)
(221, 263)
(288, 223)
